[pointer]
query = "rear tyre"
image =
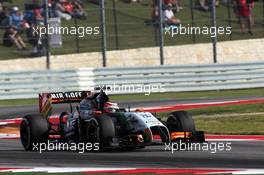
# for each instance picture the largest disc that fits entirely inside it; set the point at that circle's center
(33, 130)
(180, 121)
(100, 130)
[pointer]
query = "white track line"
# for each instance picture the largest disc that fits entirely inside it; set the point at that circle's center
(65, 170)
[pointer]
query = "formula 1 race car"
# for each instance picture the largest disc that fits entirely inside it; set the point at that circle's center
(119, 128)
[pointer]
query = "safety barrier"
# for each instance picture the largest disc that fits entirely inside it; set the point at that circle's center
(19, 85)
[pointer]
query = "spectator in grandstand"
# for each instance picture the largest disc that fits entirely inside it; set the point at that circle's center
(243, 10)
(155, 11)
(35, 40)
(52, 9)
(169, 17)
(17, 19)
(175, 3)
(39, 19)
(63, 9)
(176, 7)
(4, 17)
(33, 13)
(78, 10)
(205, 4)
(11, 37)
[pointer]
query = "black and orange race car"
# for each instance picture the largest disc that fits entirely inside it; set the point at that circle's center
(111, 129)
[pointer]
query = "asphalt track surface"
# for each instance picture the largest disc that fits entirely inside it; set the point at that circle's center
(244, 154)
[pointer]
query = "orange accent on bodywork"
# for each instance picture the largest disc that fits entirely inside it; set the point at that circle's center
(179, 135)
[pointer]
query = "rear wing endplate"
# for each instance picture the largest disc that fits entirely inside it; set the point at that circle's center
(47, 99)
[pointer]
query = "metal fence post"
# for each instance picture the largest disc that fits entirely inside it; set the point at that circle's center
(263, 12)
(103, 30)
(192, 16)
(161, 38)
(214, 39)
(76, 36)
(46, 34)
(229, 16)
(115, 24)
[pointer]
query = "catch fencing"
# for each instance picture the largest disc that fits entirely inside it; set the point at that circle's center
(23, 85)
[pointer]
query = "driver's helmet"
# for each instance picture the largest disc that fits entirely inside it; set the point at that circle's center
(110, 107)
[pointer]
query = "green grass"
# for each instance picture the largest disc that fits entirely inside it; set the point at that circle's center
(236, 119)
(223, 110)
(18, 102)
(190, 95)
(132, 33)
(238, 125)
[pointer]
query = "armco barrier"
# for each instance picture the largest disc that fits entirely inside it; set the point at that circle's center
(15, 85)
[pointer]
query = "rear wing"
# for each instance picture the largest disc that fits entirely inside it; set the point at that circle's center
(47, 99)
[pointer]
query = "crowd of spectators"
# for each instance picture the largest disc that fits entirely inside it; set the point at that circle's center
(242, 10)
(16, 22)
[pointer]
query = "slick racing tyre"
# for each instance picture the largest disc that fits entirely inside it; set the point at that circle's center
(100, 130)
(180, 121)
(33, 130)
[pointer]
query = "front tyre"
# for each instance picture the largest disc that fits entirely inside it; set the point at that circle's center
(180, 121)
(33, 130)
